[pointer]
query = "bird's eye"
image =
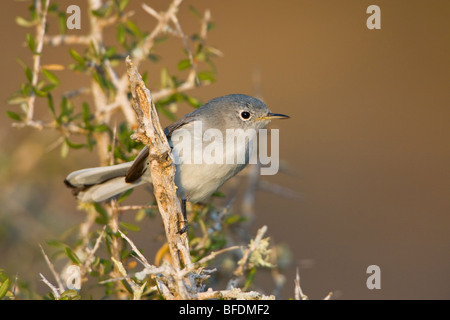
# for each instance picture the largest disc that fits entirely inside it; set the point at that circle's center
(245, 115)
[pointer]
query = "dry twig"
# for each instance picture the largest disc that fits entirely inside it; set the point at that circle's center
(54, 273)
(40, 32)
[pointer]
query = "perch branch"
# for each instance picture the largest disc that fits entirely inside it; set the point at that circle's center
(161, 166)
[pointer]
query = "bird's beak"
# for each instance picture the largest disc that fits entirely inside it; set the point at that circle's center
(271, 116)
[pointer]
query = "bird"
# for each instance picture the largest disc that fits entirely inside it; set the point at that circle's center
(195, 180)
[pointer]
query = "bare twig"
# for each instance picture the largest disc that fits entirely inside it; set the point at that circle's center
(137, 207)
(51, 286)
(40, 32)
(135, 249)
(151, 11)
(164, 18)
(186, 45)
(208, 258)
(54, 273)
(205, 23)
(61, 39)
(298, 294)
(91, 252)
(254, 245)
(279, 190)
(169, 279)
(137, 289)
(329, 296)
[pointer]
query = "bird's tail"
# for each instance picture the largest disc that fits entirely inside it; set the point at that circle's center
(101, 183)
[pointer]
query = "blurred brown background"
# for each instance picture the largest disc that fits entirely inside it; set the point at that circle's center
(369, 139)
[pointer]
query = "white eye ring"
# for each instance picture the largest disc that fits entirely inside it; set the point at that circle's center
(245, 115)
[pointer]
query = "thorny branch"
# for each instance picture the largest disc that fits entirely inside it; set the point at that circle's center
(170, 280)
(161, 166)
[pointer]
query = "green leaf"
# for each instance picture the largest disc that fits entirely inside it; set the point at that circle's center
(62, 23)
(77, 56)
(145, 78)
(17, 100)
(234, 218)
(201, 56)
(206, 76)
(4, 288)
(70, 295)
(161, 39)
(90, 141)
(28, 74)
(166, 79)
(14, 116)
(249, 279)
(184, 64)
(219, 194)
(103, 11)
(25, 23)
(195, 11)
(111, 51)
(50, 76)
(64, 149)
(140, 215)
(55, 243)
(198, 51)
(103, 219)
(31, 43)
(210, 26)
(130, 226)
(66, 108)
(48, 88)
(51, 105)
(193, 101)
(123, 4)
(86, 114)
(72, 256)
(102, 81)
(26, 89)
(40, 93)
(101, 128)
(134, 29)
(120, 34)
(74, 145)
(125, 195)
(153, 57)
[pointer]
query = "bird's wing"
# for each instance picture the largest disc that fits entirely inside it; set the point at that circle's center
(140, 164)
(138, 167)
(178, 124)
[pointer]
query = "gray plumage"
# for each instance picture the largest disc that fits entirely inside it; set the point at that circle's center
(195, 182)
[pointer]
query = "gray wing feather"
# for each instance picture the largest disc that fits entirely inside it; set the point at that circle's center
(108, 189)
(91, 176)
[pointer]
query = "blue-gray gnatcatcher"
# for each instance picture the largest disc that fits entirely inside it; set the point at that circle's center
(204, 152)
